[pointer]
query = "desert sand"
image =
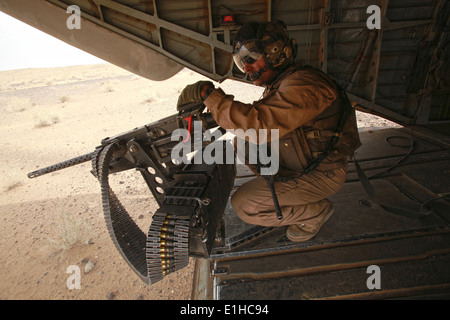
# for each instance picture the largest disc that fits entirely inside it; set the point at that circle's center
(51, 223)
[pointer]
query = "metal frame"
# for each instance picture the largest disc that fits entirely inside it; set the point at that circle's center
(374, 66)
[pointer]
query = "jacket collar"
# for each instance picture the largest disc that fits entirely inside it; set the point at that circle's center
(276, 83)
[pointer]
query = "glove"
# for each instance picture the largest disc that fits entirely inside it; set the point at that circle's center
(194, 93)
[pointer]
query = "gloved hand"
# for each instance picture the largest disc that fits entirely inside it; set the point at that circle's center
(194, 93)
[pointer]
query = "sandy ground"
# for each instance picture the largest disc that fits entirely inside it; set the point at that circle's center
(55, 222)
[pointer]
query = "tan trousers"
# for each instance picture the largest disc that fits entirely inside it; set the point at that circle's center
(302, 201)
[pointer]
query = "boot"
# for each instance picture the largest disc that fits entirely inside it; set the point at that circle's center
(304, 232)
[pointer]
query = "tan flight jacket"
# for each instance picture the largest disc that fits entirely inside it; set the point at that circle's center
(304, 104)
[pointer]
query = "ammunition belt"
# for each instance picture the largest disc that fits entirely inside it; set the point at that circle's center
(167, 245)
(163, 250)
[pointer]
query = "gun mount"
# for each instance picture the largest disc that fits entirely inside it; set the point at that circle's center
(192, 197)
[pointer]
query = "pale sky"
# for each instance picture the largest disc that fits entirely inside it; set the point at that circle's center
(22, 46)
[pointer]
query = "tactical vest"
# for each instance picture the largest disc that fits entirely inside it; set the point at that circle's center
(326, 142)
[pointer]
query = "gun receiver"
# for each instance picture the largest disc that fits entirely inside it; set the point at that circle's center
(191, 197)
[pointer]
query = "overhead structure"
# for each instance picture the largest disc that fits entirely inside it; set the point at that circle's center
(397, 68)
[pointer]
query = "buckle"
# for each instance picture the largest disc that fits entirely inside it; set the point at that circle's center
(313, 134)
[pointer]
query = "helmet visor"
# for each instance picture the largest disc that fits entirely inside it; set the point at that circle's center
(246, 53)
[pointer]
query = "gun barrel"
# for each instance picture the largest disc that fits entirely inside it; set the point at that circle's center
(62, 165)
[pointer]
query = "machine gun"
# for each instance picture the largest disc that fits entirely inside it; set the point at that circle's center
(191, 197)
